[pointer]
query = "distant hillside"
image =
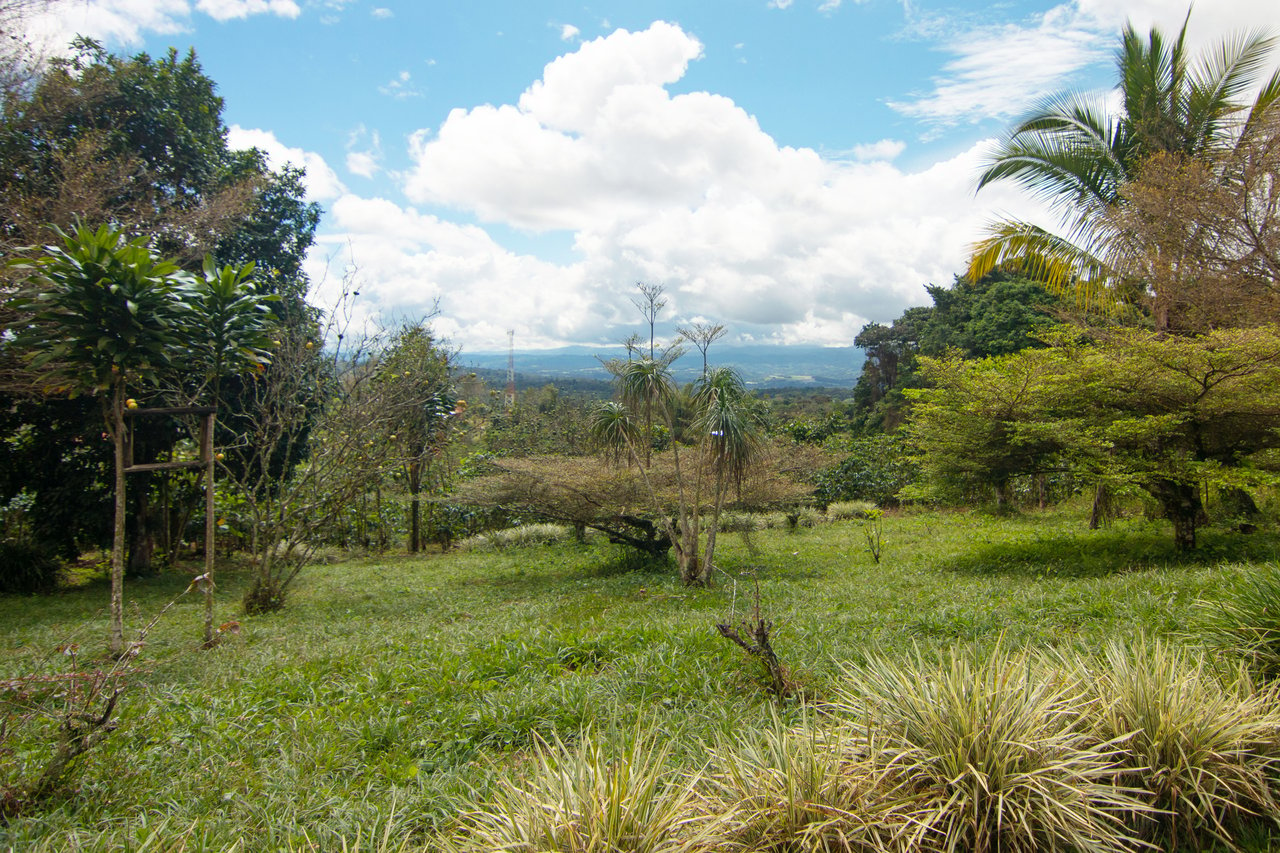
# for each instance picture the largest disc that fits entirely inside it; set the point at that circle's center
(760, 366)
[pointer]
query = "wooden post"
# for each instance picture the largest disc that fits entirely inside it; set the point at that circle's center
(127, 465)
(206, 451)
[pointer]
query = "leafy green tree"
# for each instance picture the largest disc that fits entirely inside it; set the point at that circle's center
(890, 350)
(1169, 415)
(1074, 154)
(106, 314)
(415, 372)
(996, 315)
(138, 142)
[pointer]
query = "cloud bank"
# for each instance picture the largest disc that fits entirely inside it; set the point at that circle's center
(684, 190)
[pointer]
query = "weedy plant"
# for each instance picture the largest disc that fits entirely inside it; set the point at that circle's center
(50, 719)
(874, 534)
(1202, 749)
(983, 753)
(587, 798)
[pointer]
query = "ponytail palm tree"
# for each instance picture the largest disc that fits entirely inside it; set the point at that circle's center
(1077, 157)
(723, 439)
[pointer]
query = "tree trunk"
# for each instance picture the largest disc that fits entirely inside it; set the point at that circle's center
(693, 571)
(116, 642)
(415, 506)
(142, 544)
(1102, 508)
(1004, 497)
(210, 543)
(1181, 505)
(689, 565)
(166, 521)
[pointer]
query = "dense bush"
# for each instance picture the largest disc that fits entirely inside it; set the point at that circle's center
(876, 469)
(26, 569)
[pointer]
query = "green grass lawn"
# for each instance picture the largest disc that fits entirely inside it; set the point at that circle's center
(391, 688)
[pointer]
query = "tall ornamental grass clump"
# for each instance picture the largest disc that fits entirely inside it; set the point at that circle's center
(805, 788)
(586, 798)
(1245, 622)
(1202, 749)
(985, 753)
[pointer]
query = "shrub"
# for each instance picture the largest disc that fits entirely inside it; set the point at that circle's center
(876, 470)
(740, 522)
(802, 788)
(585, 798)
(804, 516)
(26, 569)
(518, 537)
(852, 510)
(983, 753)
(1202, 751)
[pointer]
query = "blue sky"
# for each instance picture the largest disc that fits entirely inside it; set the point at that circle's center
(791, 168)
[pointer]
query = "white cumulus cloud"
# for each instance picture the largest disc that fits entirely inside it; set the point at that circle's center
(128, 21)
(885, 149)
(321, 181)
(225, 10)
(684, 190)
(1001, 70)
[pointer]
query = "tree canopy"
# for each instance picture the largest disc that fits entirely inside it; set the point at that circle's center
(1077, 156)
(1168, 415)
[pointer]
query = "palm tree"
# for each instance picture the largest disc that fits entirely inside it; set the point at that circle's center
(1074, 155)
(724, 439)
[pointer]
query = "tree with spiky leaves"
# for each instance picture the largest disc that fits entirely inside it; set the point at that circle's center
(105, 315)
(725, 436)
(1073, 154)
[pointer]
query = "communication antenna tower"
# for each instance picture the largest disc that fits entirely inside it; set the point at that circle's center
(511, 368)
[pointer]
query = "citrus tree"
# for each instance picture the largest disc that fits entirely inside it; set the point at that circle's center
(414, 375)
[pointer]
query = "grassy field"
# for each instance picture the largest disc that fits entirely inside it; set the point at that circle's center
(391, 690)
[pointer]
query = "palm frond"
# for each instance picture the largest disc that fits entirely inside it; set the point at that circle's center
(645, 382)
(725, 420)
(1062, 266)
(1228, 70)
(613, 430)
(1066, 152)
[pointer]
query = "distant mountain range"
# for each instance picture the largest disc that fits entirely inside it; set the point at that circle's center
(760, 366)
